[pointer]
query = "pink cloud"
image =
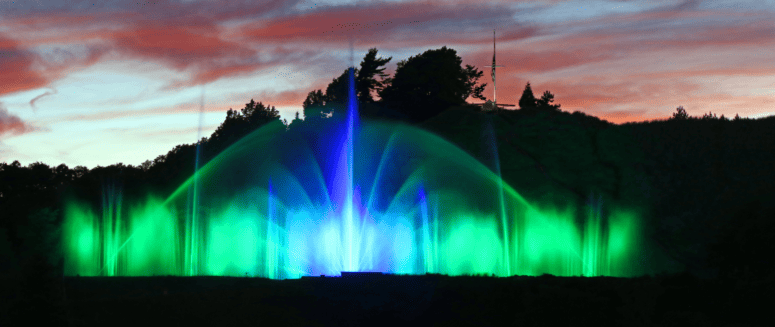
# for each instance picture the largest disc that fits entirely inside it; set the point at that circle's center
(657, 30)
(190, 35)
(384, 22)
(12, 124)
(177, 45)
(16, 73)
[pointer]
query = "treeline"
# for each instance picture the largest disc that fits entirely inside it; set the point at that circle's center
(681, 114)
(31, 196)
(423, 88)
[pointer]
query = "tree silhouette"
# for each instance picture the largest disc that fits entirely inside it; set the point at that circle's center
(680, 114)
(527, 100)
(240, 123)
(63, 174)
(315, 107)
(365, 80)
(146, 165)
(295, 123)
(545, 102)
(426, 84)
(256, 114)
(710, 116)
(314, 98)
(337, 92)
(319, 106)
(79, 171)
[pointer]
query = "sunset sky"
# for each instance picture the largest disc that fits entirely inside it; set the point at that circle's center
(97, 83)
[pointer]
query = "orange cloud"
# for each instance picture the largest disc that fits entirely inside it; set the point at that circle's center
(284, 99)
(178, 45)
(16, 73)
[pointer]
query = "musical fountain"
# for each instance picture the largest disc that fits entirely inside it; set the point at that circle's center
(351, 196)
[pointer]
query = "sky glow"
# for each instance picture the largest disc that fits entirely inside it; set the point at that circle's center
(120, 81)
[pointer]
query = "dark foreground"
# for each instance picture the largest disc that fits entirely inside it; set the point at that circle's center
(430, 300)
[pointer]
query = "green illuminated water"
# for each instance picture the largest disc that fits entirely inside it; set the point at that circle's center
(351, 196)
(268, 208)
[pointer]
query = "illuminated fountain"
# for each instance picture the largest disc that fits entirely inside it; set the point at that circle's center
(352, 196)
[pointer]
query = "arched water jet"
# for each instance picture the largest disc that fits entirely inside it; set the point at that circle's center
(296, 209)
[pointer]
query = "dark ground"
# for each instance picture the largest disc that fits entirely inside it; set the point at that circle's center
(430, 300)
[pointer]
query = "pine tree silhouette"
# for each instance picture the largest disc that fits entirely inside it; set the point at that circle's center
(527, 100)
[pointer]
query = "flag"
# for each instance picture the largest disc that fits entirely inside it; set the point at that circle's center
(493, 67)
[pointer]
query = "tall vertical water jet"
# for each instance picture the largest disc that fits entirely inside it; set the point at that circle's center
(272, 254)
(596, 261)
(492, 143)
(349, 215)
(113, 230)
(430, 235)
(344, 184)
(193, 226)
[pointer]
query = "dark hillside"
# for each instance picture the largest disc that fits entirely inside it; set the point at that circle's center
(542, 153)
(689, 178)
(711, 178)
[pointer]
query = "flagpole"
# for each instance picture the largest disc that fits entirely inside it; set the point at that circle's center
(494, 83)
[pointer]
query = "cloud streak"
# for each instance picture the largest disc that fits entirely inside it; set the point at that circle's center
(12, 124)
(32, 102)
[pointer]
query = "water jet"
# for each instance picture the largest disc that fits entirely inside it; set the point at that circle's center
(355, 196)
